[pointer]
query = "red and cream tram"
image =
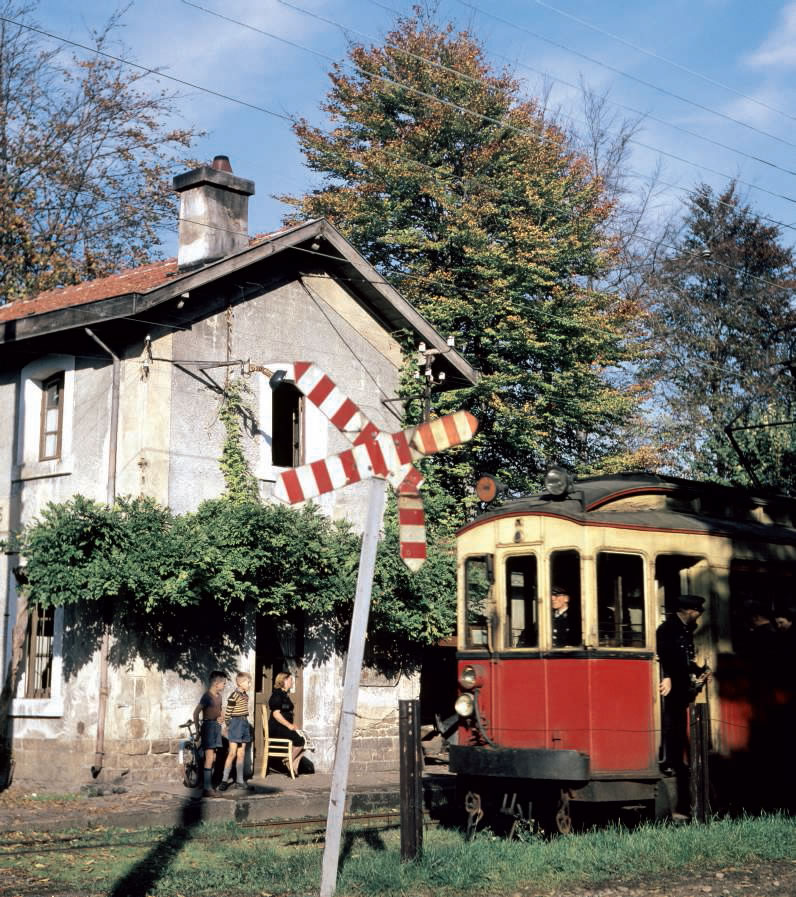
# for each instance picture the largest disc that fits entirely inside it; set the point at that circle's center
(546, 719)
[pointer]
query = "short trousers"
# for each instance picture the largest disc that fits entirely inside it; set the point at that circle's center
(211, 734)
(239, 730)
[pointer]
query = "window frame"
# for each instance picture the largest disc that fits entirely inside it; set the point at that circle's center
(43, 707)
(507, 637)
(30, 407)
(297, 409)
(58, 380)
(39, 618)
(468, 642)
(645, 604)
(547, 606)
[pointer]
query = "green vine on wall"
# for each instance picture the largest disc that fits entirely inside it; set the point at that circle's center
(240, 482)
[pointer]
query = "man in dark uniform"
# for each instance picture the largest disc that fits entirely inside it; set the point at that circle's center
(563, 634)
(679, 673)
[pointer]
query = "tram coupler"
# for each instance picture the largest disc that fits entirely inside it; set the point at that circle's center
(475, 813)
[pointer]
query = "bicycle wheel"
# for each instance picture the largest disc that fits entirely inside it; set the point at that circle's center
(192, 771)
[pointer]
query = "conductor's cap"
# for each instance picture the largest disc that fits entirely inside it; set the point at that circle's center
(691, 602)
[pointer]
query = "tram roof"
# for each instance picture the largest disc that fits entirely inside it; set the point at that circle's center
(687, 505)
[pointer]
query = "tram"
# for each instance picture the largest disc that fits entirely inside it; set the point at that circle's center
(547, 722)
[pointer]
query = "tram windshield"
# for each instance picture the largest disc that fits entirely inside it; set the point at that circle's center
(565, 598)
(476, 593)
(522, 629)
(620, 600)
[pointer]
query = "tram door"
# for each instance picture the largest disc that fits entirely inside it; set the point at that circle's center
(566, 668)
(279, 649)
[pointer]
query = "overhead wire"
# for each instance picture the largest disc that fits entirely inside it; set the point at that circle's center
(291, 119)
(624, 74)
(349, 30)
(143, 68)
(653, 55)
(467, 111)
(159, 73)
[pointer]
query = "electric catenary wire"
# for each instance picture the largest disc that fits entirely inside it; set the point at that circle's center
(653, 55)
(348, 30)
(617, 71)
(466, 111)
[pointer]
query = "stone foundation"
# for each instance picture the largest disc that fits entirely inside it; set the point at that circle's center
(53, 764)
(58, 763)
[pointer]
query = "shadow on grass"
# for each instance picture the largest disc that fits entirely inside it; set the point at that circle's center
(371, 837)
(141, 879)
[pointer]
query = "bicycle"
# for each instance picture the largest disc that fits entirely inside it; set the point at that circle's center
(191, 756)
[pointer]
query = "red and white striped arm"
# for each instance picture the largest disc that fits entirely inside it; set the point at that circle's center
(412, 520)
(321, 390)
(386, 455)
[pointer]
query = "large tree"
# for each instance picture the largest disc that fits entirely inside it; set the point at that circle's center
(723, 341)
(86, 150)
(495, 227)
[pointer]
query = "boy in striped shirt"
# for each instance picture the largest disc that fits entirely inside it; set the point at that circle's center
(236, 721)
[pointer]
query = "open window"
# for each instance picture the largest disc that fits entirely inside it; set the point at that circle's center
(620, 600)
(565, 599)
(287, 406)
(680, 574)
(477, 580)
(522, 625)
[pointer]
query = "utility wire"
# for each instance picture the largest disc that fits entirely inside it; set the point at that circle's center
(459, 74)
(660, 58)
(465, 110)
(281, 116)
(617, 71)
(290, 119)
(144, 68)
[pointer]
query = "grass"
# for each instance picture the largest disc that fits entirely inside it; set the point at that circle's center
(230, 860)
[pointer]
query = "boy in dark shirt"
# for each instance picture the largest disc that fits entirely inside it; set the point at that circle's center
(210, 709)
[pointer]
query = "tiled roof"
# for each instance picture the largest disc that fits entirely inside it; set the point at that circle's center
(133, 280)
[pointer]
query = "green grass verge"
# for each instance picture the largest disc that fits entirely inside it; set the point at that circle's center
(229, 860)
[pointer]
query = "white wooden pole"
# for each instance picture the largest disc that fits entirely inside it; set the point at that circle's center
(353, 669)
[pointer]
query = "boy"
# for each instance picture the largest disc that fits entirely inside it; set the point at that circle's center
(210, 709)
(236, 719)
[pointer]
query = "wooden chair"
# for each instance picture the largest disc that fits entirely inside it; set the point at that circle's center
(278, 748)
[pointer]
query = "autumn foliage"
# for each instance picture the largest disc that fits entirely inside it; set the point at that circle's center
(86, 156)
(494, 227)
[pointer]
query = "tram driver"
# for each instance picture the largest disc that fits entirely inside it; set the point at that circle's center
(563, 624)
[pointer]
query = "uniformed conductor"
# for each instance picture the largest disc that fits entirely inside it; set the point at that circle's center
(679, 677)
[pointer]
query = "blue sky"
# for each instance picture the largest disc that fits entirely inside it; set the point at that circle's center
(750, 48)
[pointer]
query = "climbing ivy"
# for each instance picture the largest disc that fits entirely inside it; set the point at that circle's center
(240, 482)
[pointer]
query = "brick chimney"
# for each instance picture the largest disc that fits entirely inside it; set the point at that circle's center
(214, 213)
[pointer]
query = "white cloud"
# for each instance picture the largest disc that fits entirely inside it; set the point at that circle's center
(778, 50)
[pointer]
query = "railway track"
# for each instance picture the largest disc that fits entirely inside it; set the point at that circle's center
(312, 825)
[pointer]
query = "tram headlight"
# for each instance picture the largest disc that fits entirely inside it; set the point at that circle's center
(471, 677)
(465, 705)
(557, 481)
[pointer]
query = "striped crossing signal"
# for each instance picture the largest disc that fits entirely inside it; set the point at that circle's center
(373, 453)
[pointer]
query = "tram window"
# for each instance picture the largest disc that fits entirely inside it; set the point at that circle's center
(679, 574)
(565, 612)
(762, 585)
(476, 593)
(521, 630)
(620, 600)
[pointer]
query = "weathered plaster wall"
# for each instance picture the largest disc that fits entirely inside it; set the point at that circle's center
(144, 422)
(169, 446)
